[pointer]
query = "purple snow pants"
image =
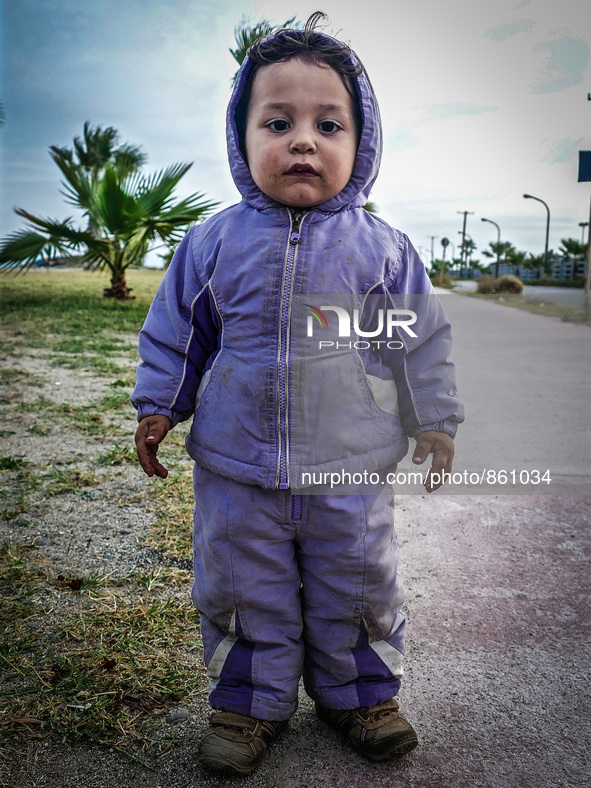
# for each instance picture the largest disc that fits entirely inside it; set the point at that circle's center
(290, 586)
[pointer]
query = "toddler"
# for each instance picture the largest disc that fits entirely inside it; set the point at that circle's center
(290, 584)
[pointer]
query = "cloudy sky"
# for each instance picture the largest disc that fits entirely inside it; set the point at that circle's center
(480, 101)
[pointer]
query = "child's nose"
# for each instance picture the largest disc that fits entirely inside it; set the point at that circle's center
(302, 143)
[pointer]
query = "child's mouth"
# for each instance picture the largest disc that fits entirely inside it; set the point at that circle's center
(301, 169)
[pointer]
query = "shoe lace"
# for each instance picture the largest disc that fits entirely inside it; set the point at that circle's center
(380, 711)
(233, 721)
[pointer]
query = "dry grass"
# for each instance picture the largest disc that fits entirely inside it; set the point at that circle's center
(538, 306)
(96, 657)
(109, 671)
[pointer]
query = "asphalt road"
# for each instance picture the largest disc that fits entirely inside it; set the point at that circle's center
(525, 380)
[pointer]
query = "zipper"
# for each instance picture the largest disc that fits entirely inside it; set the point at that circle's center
(295, 223)
(296, 507)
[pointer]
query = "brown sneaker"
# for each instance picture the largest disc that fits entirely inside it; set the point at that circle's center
(236, 744)
(377, 732)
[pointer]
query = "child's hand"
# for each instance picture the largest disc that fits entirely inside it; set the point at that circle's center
(150, 433)
(441, 445)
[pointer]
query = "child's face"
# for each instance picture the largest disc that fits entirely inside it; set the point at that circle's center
(301, 135)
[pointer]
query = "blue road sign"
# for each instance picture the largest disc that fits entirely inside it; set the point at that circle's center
(584, 165)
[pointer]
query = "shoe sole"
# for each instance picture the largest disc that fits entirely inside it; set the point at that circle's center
(228, 768)
(401, 748)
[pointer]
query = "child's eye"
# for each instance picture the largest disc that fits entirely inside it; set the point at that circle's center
(278, 125)
(328, 126)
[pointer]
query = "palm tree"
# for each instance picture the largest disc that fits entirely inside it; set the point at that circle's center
(246, 33)
(499, 250)
(518, 259)
(538, 261)
(126, 212)
(571, 249)
(467, 246)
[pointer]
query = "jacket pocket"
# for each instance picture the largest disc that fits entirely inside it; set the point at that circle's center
(384, 394)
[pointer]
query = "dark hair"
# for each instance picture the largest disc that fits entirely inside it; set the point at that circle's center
(306, 44)
(309, 45)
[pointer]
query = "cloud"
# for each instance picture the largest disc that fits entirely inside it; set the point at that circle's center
(563, 151)
(437, 112)
(404, 136)
(565, 65)
(501, 32)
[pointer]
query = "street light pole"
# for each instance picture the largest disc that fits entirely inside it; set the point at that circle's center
(588, 267)
(582, 225)
(432, 237)
(445, 244)
(490, 221)
(531, 197)
(463, 239)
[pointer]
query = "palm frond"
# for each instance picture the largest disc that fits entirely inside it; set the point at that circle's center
(128, 159)
(58, 232)
(192, 209)
(78, 187)
(61, 154)
(246, 33)
(137, 245)
(370, 207)
(113, 208)
(154, 193)
(96, 147)
(21, 249)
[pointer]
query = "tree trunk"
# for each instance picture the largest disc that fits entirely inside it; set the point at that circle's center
(119, 289)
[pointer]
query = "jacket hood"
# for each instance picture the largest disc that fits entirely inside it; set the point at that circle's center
(367, 160)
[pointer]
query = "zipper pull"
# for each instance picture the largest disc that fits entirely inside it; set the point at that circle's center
(295, 236)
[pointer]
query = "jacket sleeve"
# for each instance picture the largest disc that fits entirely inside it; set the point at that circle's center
(178, 341)
(424, 374)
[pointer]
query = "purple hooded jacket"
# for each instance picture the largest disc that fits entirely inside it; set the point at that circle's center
(225, 338)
